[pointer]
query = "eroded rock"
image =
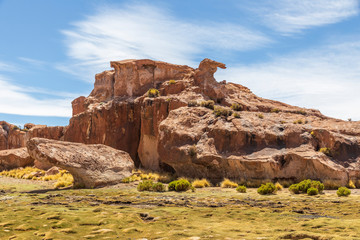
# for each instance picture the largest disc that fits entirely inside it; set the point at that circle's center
(15, 158)
(91, 165)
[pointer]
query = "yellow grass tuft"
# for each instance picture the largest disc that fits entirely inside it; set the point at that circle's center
(228, 184)
(351, 184)
(200, 183)
(278, 186)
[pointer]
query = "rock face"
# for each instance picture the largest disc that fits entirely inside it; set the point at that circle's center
(91, 165)
(267, 140)
(179, 131)
(15, 158)
(11, 136)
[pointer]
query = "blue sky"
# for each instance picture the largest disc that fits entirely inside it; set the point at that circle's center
(305, 53)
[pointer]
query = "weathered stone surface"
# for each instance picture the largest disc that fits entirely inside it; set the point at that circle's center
(15, 158)
(264, 143)
(268, 140)
(12, 137)
(91, 165)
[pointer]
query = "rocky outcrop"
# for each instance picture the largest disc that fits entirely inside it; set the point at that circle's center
(11, 136)
(266, 140)
(90, 165)
(15, 158)
(179, 131)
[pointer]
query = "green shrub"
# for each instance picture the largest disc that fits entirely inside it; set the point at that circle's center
(294, 188)
(153, 93)
(236, 107)
(208, 104)
(343, 192)
(145, 185)
(312, 191)
(172, 82)
(267, 188)
(220, 111)
(326, 151)
(171, 186)
(260, 115)
(236, 115)
(303, 186)
(241, 189)
(193, 104)
(180, 185)
(275, 110)
(158, 187)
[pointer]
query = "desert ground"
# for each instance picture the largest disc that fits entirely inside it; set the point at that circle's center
(35, 210)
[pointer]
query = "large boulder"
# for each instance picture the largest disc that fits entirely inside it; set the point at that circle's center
(15, 158)
(90, 165)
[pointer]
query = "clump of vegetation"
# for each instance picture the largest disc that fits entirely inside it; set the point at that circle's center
(303, 186)
(260, 115)
(193, 104)
(158, 187)
(275, 110)
(326, 151)
(153, 93)
(192, 151)
(145, 185)
(343, 192)
(65, 180)
(172, 82)
(299, 121)
(132, 178)
(312, 133)
(302, 112)
(200, 183)
(278, 186)
(208, 104)
(267, 188)
(351, 184)
(220, 111)
(282, 122)
(236, 115)
(227, 183)
(312, 191)
(241, 189)
(237, 107)
(180, 185)
(16, 128)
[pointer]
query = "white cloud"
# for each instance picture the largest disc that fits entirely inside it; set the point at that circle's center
(327, 79)
(33, 62)
(144, 31)
(289, 16)
(14, 100)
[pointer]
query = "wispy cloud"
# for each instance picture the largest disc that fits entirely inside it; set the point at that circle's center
(144, 31)
(327, 79)
(32, 61)
(16, 100)
(291, 16)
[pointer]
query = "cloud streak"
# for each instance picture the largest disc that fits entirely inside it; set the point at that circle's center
(327, 79)
(289, 16)
(144, 31)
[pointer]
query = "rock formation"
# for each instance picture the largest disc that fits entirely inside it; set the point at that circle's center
(90, 165)
(179, 130)
(15, 158)
(266, 140)
(11, 136)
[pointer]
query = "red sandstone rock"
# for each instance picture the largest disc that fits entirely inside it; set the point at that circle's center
(90, 165)
(270, 140)
(15, 158)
